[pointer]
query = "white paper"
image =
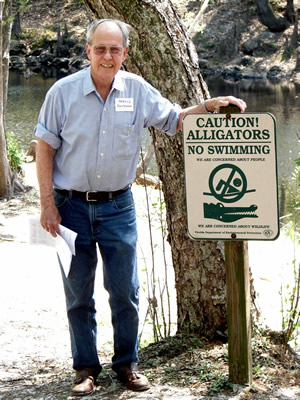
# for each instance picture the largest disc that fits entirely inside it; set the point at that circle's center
(65, 247)
(69, 237)
(64, 242)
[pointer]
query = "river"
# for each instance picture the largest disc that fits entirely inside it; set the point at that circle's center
(25, 97)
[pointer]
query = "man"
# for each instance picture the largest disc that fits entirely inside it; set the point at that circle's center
(89, 129)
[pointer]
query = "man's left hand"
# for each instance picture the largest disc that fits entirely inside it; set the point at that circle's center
(223, 101)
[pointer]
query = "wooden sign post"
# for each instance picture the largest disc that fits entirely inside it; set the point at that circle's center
(231, 195)
(238, 304)
(238, 312)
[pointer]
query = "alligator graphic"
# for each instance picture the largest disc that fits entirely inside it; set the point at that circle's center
(228, 214)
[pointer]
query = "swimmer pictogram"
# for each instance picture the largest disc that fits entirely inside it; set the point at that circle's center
(228, 184)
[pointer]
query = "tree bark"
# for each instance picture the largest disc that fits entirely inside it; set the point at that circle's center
(16, 26)
(274, 22)
(5, 30)
(163, 54)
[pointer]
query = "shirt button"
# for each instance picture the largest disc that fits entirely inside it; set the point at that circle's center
(105, 108)
(101, 154)
(103, 132)
(98, 176)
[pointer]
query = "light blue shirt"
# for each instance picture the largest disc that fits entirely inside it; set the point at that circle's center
(97, 144)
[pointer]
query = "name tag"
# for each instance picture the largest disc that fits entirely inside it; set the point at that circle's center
(124, 104)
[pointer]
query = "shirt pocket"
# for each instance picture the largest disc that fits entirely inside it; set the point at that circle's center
(125, 142)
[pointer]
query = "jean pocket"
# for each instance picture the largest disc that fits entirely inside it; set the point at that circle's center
(124, 201)
(59, 199)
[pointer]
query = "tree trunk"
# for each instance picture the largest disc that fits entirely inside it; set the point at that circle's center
(295, 36)
(16, 27)
(274, 22)
(295, 40)
(163, 54)
(290, 13)
(5, 30)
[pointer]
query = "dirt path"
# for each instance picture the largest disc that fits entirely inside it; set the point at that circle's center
(35, 360)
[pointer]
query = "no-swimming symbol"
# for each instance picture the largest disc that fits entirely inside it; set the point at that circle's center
(228, 184)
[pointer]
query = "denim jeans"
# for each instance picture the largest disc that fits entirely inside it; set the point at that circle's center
(111, 225)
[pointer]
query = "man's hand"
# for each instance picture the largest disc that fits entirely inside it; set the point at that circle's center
(223, 101)
(50, 219)
(212, 105)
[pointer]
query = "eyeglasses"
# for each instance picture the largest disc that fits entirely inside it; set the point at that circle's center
(113, 51)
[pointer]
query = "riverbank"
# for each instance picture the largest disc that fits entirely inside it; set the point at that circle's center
(34, 340)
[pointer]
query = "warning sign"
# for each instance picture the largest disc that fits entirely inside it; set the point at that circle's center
(231, 176)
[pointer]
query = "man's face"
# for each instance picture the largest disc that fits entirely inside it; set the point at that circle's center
(106, 52)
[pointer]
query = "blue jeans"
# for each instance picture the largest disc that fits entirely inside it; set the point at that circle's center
(111, 225)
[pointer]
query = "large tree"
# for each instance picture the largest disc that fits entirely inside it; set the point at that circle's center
(164, 55)
(8, 180)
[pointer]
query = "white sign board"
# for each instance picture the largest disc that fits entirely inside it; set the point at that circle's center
(231, 176)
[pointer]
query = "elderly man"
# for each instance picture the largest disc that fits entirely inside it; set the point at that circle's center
(90, 129)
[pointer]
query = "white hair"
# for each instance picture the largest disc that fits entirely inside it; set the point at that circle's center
(125, 29)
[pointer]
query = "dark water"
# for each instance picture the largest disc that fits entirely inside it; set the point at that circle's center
(25, 97)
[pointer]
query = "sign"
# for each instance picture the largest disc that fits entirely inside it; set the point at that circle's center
(231, 176)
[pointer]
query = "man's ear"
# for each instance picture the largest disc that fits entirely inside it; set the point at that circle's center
(88, 50)
(125, 53)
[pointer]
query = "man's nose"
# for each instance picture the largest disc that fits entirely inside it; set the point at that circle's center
(107, 53)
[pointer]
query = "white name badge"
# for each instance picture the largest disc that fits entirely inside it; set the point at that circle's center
(124, 104)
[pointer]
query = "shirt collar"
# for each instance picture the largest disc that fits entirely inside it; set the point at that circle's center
(89, 87)
(118, 82)
(88, 84)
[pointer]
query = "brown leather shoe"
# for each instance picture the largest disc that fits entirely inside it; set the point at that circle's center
(84, 382)
(134, 380)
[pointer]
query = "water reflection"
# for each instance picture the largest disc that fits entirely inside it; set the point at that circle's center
(25, 97)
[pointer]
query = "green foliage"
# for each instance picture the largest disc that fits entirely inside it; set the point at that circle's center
(37, 37)
(290, 308)
(298, 165)
(291, 221)
(189, 17)
(207, 372)
(74, 4)
(278, 5)
(23, 5)
(204, 41)
(158, 314)
(290, 295)
(14, 153)
(218, 384)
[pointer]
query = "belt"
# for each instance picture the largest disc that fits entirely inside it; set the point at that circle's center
(91, 195)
